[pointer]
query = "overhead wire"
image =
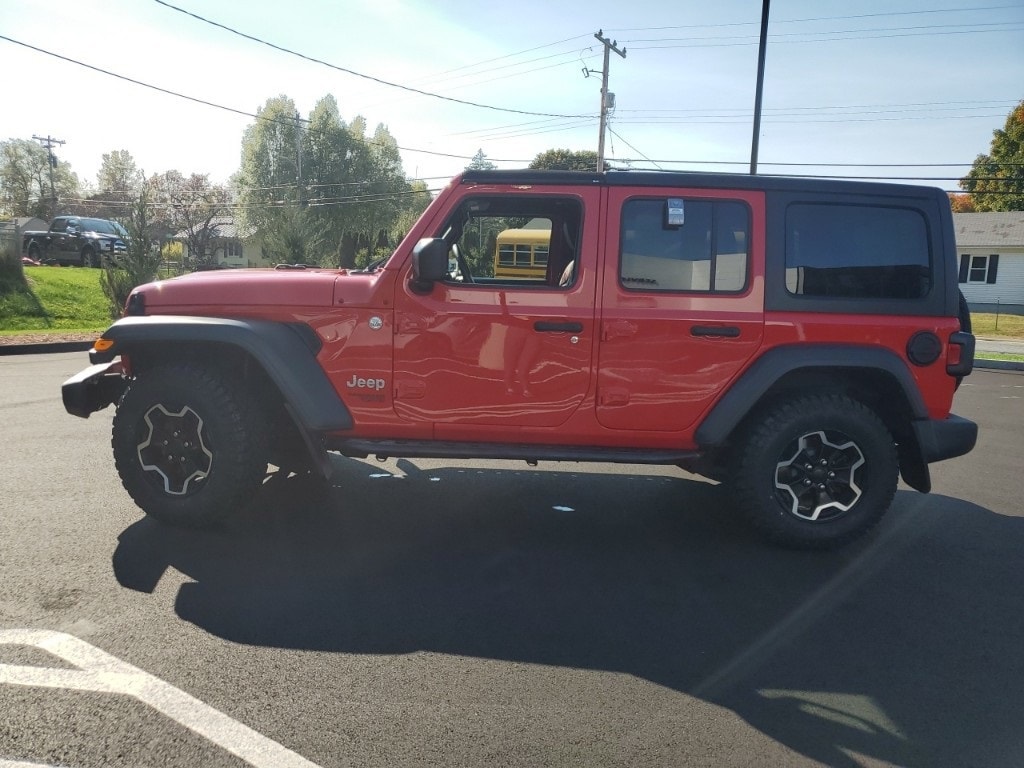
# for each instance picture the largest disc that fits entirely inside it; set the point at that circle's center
(169, 92)
(346, 70)
(886, 14)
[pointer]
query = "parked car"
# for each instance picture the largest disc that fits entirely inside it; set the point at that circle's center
(797, 340)
(77, 241)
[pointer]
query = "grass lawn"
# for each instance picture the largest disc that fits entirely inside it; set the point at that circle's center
(1007, 356)
(59, 299)
(1009, 326)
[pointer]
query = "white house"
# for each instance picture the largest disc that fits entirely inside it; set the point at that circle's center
(232, 246)
(991, 249)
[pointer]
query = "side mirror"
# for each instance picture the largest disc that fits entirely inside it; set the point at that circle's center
(72, 229)
(429, 261)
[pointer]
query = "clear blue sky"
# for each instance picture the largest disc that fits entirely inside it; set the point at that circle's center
(869, 82)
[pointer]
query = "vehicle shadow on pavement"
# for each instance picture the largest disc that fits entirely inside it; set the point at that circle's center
(903, 647)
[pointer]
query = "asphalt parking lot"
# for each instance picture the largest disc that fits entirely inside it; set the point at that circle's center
(458, 613)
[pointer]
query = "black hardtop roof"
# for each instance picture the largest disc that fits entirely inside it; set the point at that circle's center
(698, 179)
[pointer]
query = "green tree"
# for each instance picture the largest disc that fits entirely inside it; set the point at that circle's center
(996, 180)
(269, 175)
(192, 208)
(295, 239)
(330, 153)
(118, 184)
(480, 162)
(353, 188)
(119, 174)
(25, 180)
(565, 160)
(140, 263)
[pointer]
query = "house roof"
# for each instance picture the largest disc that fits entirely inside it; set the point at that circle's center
(1004, 229)
(225, 227)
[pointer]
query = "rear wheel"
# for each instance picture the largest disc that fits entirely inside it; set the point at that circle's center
(816, 471)
(185, 446)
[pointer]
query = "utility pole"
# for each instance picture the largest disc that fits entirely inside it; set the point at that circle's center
(49, 143)
(298, 157)
(607, 99)
(760, 87)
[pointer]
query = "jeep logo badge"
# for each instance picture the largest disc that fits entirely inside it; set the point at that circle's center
(376, 323)
(358, 383)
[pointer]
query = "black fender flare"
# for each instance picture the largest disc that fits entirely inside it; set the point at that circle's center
(754, 383)
(286, 352)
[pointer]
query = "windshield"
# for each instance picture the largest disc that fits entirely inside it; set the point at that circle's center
(103, 227)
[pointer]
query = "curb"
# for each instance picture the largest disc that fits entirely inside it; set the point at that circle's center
(999, 365)
(38, 349)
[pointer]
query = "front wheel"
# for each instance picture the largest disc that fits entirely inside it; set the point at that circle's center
(185, 445)
(816, 472)
(89, 258)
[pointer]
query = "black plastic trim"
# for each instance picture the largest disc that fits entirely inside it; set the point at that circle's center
(437, 449)
(92, 389)
(280, 349)
(776, 363)
(945, 438)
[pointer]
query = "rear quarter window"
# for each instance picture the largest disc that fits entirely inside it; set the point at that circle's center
(857, 251)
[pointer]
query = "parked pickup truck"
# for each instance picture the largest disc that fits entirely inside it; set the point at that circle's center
(76, 240)
(798, 341)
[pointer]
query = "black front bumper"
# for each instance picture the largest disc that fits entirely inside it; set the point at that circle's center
(93, 389)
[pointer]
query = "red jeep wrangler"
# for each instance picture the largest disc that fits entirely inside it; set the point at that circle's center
(798, 340)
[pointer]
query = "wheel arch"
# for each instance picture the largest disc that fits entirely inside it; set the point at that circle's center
(876, 377)
(275, 354)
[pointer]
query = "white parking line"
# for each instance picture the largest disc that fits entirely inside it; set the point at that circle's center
(99, 672)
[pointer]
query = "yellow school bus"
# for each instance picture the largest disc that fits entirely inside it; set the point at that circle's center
(523, 253)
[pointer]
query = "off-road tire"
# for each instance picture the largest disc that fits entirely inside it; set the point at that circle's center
(186, 446)
(789, 496)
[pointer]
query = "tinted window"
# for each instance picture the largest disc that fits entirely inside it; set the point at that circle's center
(856, 252)
(708, 252)
(100, 226)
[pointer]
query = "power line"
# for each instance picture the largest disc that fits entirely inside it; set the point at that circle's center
(619, 137)
(169, 92)
(887, 14)
(347, 71)
(973, 27)
(817, 40)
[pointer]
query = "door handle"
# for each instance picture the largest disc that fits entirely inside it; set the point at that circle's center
(727, 331)
(547, 326)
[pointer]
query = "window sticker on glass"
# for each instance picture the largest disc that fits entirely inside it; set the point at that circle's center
(674, 212)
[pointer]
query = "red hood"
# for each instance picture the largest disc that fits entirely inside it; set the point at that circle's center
(262, 287)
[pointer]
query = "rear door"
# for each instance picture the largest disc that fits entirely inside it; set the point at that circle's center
(682, 303)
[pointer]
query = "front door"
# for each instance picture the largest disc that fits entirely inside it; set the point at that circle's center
(478, 350)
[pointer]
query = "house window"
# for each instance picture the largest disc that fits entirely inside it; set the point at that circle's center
(979, 268)
(232, 248)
